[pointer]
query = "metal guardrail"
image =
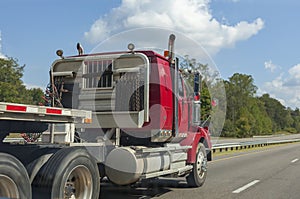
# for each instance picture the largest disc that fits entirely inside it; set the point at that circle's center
(251, 144)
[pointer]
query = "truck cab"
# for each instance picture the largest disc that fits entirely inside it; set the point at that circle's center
(139, 102)
(139, 93)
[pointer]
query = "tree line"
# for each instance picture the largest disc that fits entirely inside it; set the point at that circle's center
(248, 114)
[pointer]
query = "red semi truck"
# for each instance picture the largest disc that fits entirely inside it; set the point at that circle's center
(124, 116)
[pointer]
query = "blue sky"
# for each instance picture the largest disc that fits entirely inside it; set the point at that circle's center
(254, 37)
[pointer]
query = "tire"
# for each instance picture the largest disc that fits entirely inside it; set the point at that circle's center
(69, 173)
(198, 175)
(14, 180)
(34, 166)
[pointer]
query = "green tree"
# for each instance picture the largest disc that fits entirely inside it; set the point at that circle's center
(239, 90)
(12, 88)
(11, 85)
(280, 116)
(246, 115)
(35, 96)
(262, 124)
(296, 119)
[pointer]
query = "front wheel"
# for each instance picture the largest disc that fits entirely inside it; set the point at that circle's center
(198, 175)
(69, 173)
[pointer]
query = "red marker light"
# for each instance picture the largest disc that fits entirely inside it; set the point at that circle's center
(16, 108)
(53, 111)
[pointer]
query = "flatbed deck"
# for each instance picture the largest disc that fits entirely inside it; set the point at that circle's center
(43, 114)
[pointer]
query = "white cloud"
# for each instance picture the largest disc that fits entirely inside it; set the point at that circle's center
(1, 55)
(193, 18)
(294, 77)
(295, 71)
(286, 87)
(270, 66)
(31, 86)
(98, 31)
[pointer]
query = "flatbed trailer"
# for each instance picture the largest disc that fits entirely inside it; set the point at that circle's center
(19, 163)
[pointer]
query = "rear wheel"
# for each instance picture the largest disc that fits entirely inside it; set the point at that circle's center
(69, 173)
(14, 180)
(198, 175)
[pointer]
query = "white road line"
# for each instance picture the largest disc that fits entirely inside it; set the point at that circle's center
(246, 186)
(295, 160)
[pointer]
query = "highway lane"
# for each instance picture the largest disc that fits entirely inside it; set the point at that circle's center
(266, 173)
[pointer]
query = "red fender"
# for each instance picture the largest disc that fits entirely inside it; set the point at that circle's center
(192, 139)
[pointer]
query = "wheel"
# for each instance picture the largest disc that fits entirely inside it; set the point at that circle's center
(71, 173)
(14, 180)
(198, 175)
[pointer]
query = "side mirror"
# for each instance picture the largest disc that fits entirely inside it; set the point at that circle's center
(197, 86)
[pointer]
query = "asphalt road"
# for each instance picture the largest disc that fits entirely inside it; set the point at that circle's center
(268, 173)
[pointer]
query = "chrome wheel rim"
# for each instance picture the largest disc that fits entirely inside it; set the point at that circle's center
(201, 164)
(79, 184)
(8, 187)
